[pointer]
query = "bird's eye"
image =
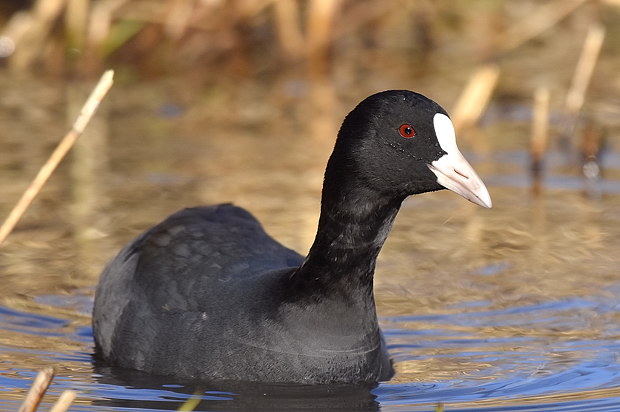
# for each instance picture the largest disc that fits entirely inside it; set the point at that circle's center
(406, 130)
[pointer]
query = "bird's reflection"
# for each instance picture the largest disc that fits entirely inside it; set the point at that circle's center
(142, 391)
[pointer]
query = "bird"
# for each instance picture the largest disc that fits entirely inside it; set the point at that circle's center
(208, 295)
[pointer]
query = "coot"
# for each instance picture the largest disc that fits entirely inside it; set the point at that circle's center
(207, 294)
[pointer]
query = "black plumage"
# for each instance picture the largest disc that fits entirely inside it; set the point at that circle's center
(207, 294)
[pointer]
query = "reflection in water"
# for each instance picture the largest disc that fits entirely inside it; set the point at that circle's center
(167, 395)
(502, 309)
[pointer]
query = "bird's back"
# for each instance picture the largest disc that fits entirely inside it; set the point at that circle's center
(184, 284)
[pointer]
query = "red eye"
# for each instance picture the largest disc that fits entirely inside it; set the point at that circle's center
(406, 130)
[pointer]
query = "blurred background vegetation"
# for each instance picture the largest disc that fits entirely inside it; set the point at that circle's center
(255, 57)
(260, 37)
(348, 42)
(466, 53)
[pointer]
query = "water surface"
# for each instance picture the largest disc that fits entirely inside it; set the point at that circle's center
(510, 309)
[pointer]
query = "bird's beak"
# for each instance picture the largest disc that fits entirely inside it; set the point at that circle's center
(452, 170)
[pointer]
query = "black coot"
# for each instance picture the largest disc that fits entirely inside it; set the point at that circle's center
(207, 294)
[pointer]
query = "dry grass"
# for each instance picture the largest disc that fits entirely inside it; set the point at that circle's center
(188, 30)
(85, 35)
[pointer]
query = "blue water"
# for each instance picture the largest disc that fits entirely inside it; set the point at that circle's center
(516, 308)
(512, 373)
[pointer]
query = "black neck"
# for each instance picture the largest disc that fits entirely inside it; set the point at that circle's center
(353, 226)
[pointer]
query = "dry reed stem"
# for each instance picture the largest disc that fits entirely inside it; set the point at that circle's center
(178, 15)
(585, 68)
(288, 29)
(59, 153)
(591, 142)
(320, 21)
(64, 401)
(37, 25)
(100, 22)
(581, 78)
(76, 21)
(37, 390)
(191, 404)
(540, 136)
(475, 97)
(540, 126)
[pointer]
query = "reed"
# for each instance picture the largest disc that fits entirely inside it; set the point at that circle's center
(581, 78)
(76, 22)
(289, 32)
(192, 403)
(320, 23)
(591, 147)
(475, 97)
(64, 401)
(87, 112)
(37, 390)
(94, 30)
(300, 29)
(31, 31)
(540, 135)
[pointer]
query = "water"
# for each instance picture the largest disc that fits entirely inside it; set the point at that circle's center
(510, 309)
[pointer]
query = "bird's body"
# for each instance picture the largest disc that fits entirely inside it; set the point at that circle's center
(239, 308)
(207, 294)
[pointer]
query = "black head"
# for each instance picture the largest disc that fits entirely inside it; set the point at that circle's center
(398, 143)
